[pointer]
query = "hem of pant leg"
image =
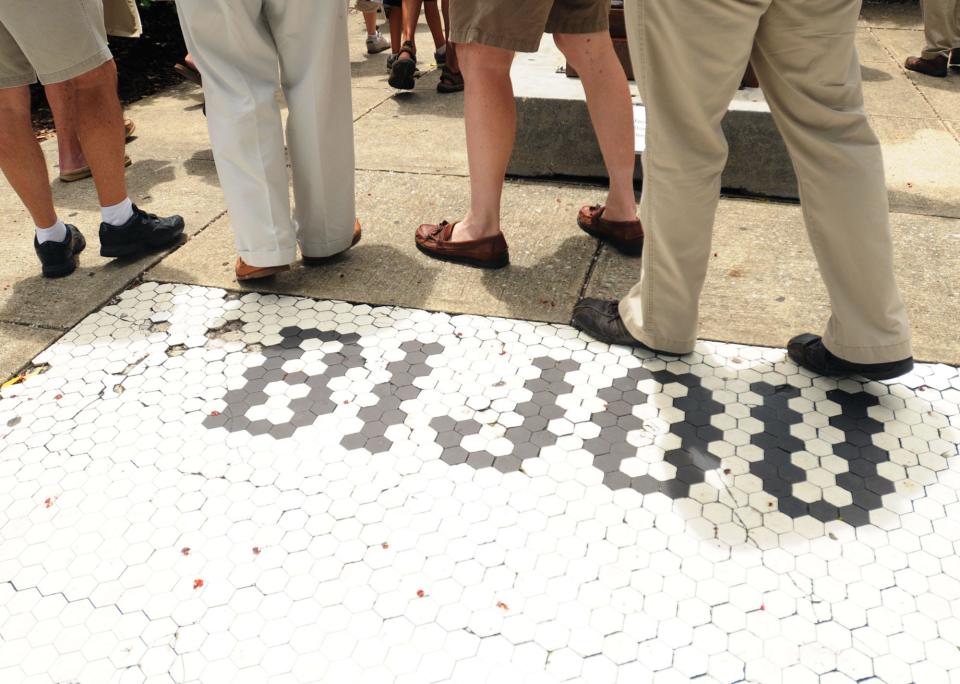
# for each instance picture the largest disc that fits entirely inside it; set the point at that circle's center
(886, 354)
(18, 81)
(933, 54)
(89, 64)
(512, 43)
(576, 28)
(268, 259)
(655, 342)
(324, 250)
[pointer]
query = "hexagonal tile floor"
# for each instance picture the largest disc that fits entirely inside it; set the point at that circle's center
(210, 488)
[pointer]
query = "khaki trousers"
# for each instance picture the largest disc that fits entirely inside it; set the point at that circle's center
(122, 18)
(246, 51)
(804, 55)
(941, 24)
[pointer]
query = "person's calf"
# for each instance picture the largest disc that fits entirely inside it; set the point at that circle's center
(21, 159)
(611, 110)
(96, 111)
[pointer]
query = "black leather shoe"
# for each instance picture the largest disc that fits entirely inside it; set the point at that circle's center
(601, 319)
(59, 259)
(955, 58)
(142, 233)
(808, 351)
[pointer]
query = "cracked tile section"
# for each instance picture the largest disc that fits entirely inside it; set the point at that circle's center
(205, 487)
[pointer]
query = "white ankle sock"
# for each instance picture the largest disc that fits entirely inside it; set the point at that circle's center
(55, 233)
(118, 214)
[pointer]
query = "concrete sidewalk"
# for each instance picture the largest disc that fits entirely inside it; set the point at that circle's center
(412, 169)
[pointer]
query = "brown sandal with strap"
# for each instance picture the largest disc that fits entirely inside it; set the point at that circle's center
(404, 69)
(450, 81)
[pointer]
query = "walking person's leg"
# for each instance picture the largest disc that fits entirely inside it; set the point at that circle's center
(487, 34)
(686, 95)
(451, 80)
(611, 110)
(90, 103)
(452, 61)
(21, 158)
(404, 69)
(393, 9)
(940, 33)
(807, 63)
(431, 10)
(490, 118)
(315, 73)
(236, 53)
(65, 47)
(376, 43)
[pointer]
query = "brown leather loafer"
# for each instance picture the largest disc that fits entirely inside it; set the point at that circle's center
(320, 261)
(435, 242)
(247, 272)
(625, 236)
(931, 67)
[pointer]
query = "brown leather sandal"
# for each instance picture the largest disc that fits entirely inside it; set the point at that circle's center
(450, 81)
(404, 69)
(625, 236)
(435, 241)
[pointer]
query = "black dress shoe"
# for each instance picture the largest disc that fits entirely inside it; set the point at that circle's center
(58, 259)
(601, 319)
(142, 233)
(955, 58)
(808, 351)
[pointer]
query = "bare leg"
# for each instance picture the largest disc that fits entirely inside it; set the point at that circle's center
(21, 160)
(396, 29)
(434, 21)
(452, 62)
(370, 19)
(490, 116)
(411, 17)
(68, 144)
(91, 102)
(608, 99)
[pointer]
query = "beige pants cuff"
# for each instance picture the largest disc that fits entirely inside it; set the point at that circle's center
(655, 342)
(268, 259)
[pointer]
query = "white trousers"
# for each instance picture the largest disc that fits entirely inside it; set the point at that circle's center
(246, 51)
(805, 57)
(941, 24)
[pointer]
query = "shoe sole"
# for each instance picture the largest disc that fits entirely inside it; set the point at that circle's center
(884, 375)
(626, 248)
(938, 74)
(877, 376)
(142, 248)
(62, 271)
(262, 274)
(467, 261)
(447, 90)
(401, 75)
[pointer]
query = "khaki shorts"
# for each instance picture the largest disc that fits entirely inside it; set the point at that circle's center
(53, 40)
(520, 24)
